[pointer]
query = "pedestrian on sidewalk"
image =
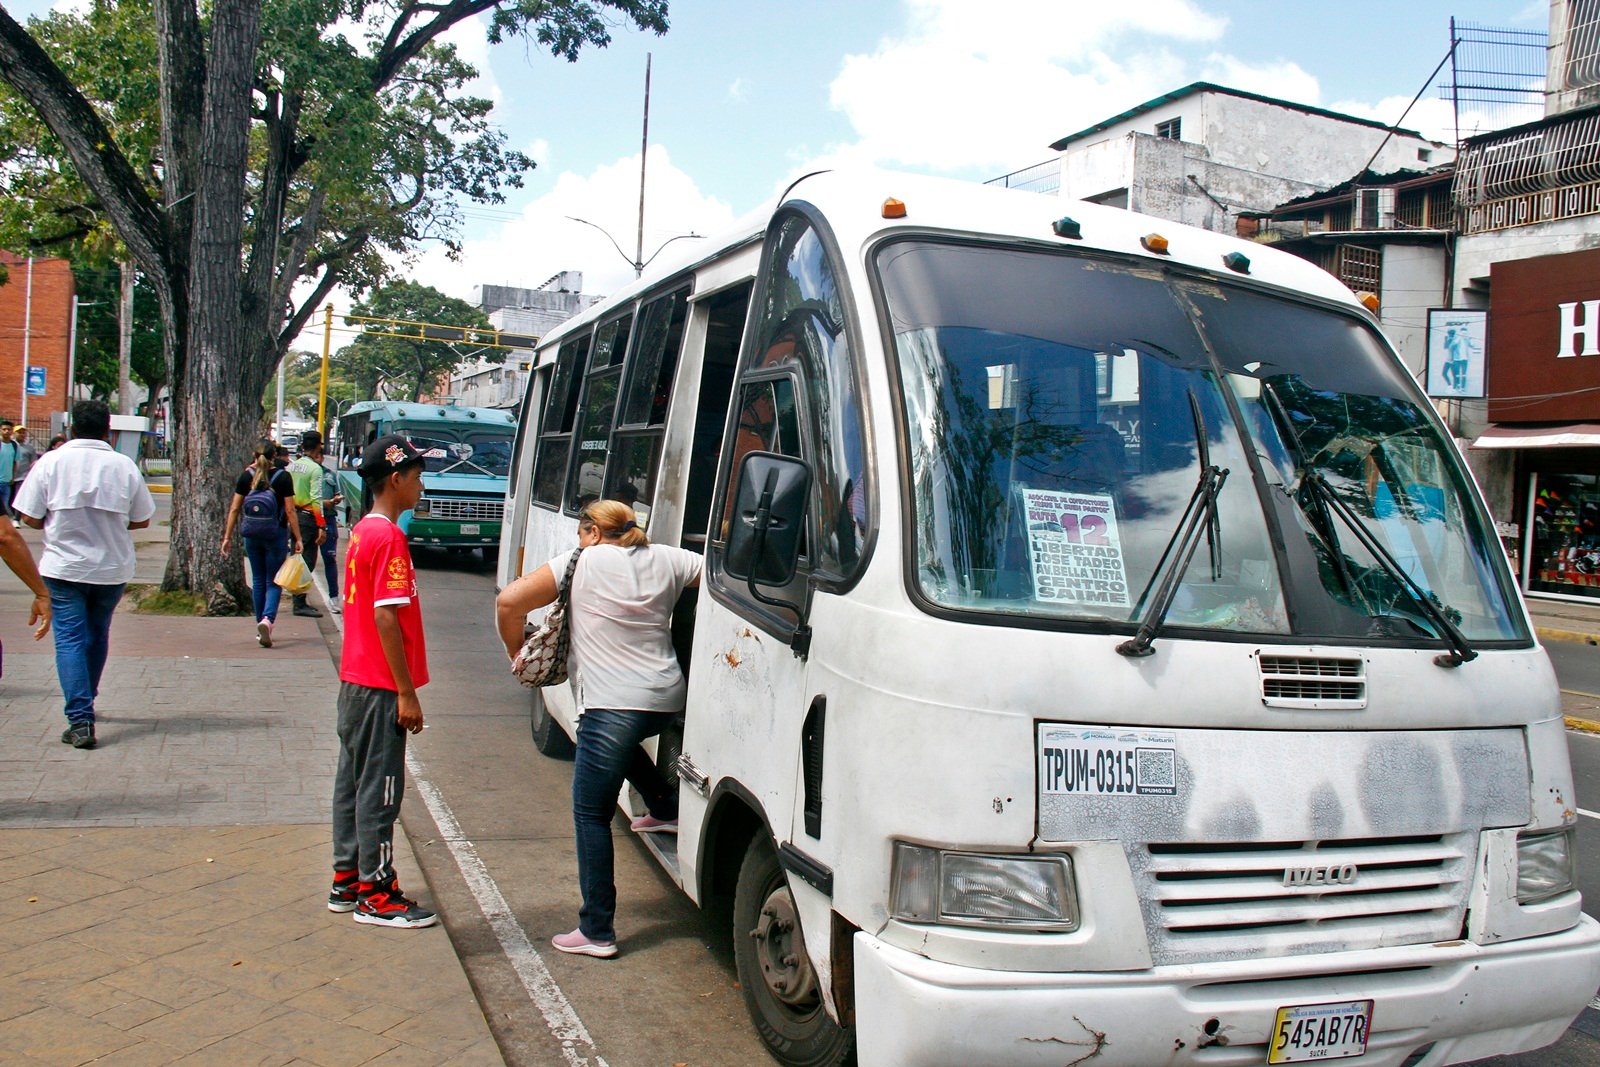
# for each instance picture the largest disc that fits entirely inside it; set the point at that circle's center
(8, 463)
(626, 678)
(19, 557)
(26, 454)
(260, 512)
(85, 496)
(383, 664)
(331, 499)
(307, 511)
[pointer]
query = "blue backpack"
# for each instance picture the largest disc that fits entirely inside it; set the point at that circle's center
(260, 513)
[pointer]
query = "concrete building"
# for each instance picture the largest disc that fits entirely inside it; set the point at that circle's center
(525, 314)
(36, 318)
(1527, 202)
(1205, 154)
(1390, 235)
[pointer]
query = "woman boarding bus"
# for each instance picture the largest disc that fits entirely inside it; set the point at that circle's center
(1103, 651)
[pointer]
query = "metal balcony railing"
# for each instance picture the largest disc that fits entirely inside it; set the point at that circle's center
(1554, 154)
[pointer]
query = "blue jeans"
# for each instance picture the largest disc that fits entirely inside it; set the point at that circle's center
(266, 555)
(330, 560)
(608, 752)
(81, 615)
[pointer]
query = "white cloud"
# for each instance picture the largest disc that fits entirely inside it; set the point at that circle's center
(1436, 119)
(1280, 79)
(539, 151)
(738, 90)
(990, 83)
(542, 241)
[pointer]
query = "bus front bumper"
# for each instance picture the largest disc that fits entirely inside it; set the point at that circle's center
(1469, 1001)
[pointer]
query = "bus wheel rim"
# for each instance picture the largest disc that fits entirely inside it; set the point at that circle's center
(780, 949)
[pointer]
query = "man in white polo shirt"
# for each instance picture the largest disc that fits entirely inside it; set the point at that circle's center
(85, 497)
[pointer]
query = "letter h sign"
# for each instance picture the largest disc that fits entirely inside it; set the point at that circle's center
(1572, 329)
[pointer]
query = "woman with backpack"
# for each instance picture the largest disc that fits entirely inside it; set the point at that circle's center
(260, 514)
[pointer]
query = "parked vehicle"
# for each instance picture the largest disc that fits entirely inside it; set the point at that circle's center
(1103, 654)
(468, 455)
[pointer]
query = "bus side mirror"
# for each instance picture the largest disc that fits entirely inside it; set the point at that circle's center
(768, 519)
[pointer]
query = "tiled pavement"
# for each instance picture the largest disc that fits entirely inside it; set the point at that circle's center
(161, 897)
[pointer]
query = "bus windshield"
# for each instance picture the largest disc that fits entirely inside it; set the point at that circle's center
(469, 450)
(1063, 412)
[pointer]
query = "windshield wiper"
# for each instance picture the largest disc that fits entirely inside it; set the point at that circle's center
(1198, 517)
(1460, 651)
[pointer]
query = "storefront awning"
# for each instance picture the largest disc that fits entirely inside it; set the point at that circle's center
(1562, 435)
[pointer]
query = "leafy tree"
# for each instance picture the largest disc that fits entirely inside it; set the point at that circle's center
(289, 159)
(417, 363)
(96, 365)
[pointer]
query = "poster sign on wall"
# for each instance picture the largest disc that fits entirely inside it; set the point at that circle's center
(1074, 548)
(1458, 342)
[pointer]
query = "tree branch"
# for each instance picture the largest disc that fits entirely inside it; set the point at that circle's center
(30, 71)
(399, 48)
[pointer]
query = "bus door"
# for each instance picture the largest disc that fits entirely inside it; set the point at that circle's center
(759, 695)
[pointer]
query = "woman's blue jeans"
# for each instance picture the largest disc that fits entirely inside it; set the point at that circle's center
(81, 615)
(330, 559)
(266, 555)
(608, 752)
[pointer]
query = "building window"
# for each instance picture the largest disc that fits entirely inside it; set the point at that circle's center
(1424, 155)
(1360, 268)
(1170, 130)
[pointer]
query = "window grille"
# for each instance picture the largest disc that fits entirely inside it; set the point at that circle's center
(1170, 130)
(1583, 44)
(1361, 268)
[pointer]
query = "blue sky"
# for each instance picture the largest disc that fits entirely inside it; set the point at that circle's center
(748, 93)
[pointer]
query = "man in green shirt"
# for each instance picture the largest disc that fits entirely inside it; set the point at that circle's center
(306, 509)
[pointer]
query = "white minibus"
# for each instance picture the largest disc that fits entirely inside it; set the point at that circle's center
(1103, 656)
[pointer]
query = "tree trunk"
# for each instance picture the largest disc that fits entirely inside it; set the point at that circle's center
(213, 431)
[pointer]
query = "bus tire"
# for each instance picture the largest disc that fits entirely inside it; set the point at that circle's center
(775, 974)
(548, 736)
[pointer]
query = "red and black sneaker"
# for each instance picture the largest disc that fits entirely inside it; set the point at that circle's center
(384, 905)
(343, 895)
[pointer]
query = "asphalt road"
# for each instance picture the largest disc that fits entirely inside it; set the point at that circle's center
(671, 997)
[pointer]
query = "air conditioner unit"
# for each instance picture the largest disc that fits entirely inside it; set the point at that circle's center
(1374, 209)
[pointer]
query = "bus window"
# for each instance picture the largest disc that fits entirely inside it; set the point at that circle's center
(599, 409)
(725, 316)
(641, 418)
(560, 411)
(803, 324)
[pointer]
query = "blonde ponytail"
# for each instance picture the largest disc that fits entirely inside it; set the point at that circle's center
(616, 521)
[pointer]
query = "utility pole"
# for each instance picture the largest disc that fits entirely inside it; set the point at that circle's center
(644, 154)
(27, 338)
(125, 342)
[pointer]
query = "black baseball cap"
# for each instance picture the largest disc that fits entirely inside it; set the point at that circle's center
(387, 454)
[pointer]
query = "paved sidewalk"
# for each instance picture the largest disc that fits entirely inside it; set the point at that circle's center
(161, 897)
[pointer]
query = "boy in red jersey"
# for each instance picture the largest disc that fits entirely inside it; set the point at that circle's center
(383, 664)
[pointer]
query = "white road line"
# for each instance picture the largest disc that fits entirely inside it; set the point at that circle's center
(559, 1015)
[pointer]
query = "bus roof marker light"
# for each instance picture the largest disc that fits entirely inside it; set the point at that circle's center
(1068, 228)
(1154, 242)
(1369, 301)
(894, 209)
(1237, 261)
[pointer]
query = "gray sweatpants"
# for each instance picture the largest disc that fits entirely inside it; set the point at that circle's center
(368, 782)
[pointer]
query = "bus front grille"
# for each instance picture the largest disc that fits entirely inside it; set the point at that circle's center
(465, 509)
(1220, 901)
(1315, 682)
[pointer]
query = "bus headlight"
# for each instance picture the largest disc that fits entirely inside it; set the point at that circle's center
(424, 506)
(975, 889)
(1544, 865)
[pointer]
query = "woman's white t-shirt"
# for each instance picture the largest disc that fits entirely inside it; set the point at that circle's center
(620, 619)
